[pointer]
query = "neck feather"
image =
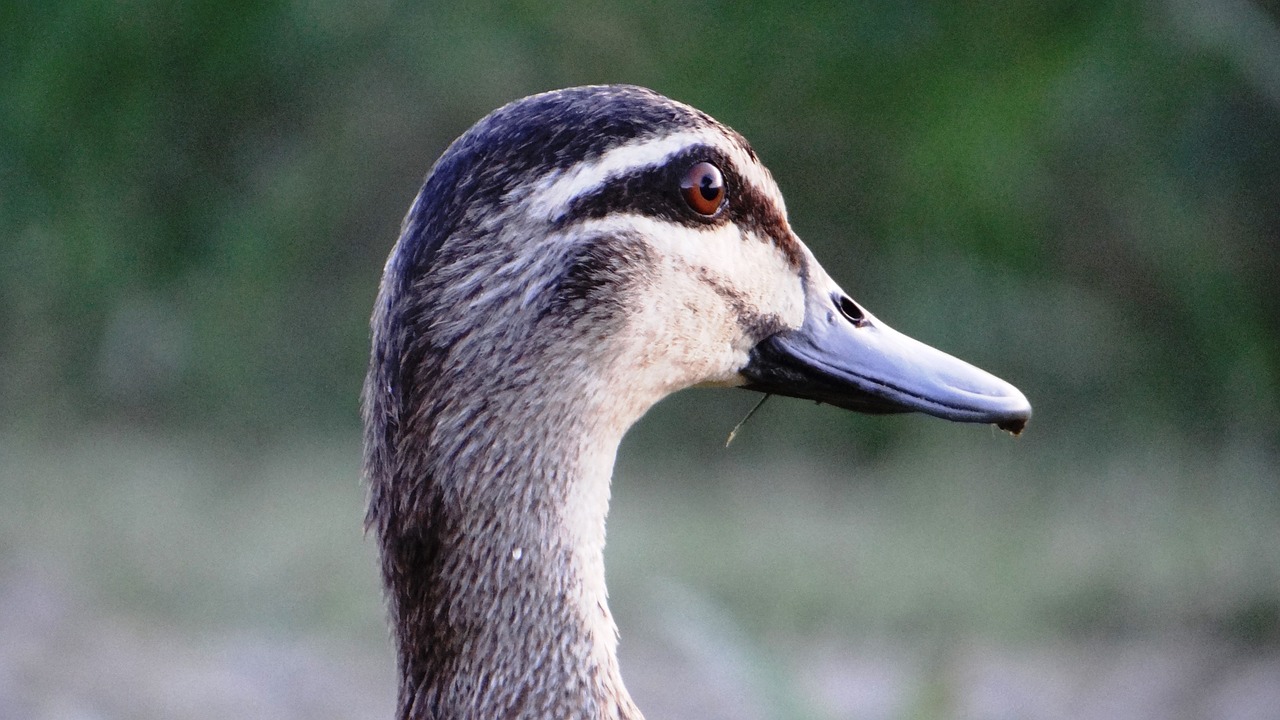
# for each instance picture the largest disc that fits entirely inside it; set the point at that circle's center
(492, 532)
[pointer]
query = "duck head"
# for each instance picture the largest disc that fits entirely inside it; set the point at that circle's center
(651, 241)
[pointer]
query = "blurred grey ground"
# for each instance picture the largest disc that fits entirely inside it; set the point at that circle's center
(137, 582)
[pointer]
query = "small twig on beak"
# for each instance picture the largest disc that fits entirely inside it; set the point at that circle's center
(734, 432)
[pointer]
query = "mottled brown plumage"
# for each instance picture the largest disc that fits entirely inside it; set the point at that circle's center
(550, 285)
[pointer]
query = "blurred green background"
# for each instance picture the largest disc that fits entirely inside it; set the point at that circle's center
(196, 199)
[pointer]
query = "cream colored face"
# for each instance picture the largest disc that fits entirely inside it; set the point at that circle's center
(730, 296)
(691, 325)
(711, 287)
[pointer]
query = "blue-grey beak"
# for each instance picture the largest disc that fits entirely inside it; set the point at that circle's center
(844, 356)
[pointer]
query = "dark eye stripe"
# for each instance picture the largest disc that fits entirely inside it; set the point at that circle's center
(655, 192)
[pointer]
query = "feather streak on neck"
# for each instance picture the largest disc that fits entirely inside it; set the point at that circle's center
(510, 616)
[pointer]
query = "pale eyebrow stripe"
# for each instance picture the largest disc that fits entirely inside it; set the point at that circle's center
(555, 192)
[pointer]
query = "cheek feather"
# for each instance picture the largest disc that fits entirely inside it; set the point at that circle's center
(715, 292)
(747, 272)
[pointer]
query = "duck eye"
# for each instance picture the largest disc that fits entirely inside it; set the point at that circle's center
(703, 188)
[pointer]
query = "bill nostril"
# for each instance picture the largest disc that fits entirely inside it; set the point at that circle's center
(850, 310)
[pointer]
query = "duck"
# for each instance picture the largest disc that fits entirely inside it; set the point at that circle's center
(570, 260)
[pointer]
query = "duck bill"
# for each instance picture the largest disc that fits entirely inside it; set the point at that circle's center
(846, 357)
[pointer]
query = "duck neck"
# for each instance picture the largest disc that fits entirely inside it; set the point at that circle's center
(492, 543)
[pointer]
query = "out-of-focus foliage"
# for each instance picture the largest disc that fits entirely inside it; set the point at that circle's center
(196, 197)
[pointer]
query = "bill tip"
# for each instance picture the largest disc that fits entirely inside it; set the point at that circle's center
(1013, 427)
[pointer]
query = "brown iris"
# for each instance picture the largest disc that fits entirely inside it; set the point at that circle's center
(703, 188)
